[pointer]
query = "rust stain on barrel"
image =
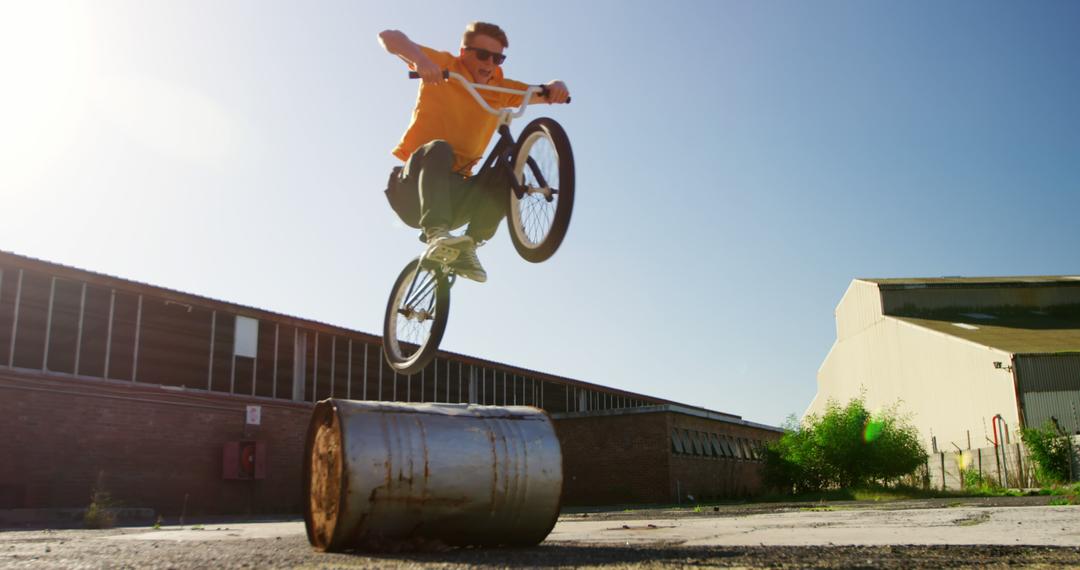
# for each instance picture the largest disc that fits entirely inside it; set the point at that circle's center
(423, 442)
(494, 464)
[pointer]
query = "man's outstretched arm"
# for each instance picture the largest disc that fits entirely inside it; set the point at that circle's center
(397, 43)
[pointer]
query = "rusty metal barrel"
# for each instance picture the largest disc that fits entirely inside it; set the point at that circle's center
(378, 472)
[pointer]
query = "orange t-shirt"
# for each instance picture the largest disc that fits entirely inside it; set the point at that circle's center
(450, 113)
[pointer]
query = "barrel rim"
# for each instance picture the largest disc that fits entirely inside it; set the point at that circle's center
(318, 417)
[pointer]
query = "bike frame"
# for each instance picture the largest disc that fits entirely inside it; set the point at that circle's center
(501, 156)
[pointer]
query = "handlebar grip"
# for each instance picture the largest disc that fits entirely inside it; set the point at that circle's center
(415, 75)
(544, 93)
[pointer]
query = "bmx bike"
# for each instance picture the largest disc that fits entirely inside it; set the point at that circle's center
(539, 166)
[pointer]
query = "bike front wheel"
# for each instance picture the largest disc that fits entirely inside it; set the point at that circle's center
(540, 207)
(416, 316)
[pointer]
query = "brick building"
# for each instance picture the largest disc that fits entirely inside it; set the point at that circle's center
(155, 394)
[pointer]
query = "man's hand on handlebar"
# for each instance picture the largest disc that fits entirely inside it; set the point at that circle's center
(431, 73)
(556, 92)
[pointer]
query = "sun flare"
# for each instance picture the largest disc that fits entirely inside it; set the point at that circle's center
(46, 55)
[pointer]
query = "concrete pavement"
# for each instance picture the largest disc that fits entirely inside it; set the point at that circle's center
(1037, 525)
(1046, 525)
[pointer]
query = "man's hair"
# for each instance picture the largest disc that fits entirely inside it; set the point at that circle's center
(484, 29)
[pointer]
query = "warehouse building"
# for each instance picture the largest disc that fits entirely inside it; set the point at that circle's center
(186, 404)
(970, 359)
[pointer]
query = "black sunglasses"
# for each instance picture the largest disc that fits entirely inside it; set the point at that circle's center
(483, 55)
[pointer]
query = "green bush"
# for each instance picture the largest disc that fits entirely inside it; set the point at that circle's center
(1050, 451)
(847, 447)
(972, 479)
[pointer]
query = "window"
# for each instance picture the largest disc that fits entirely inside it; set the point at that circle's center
(246, 339)
(687, 443)
(676, 441)
(714, 442)
(706, 444)
(733, 447)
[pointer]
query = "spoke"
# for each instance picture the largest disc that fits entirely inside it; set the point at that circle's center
(415, 314)
(426, 290)
(412, 284)
(535, 213)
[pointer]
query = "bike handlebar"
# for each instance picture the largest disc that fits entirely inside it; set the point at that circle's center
(415, 75)
(543, 90)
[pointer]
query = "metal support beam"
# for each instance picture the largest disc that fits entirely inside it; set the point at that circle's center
(315, 372)
(255, 365)
(255, 369)
(15, 320)
(298, 366)
(365, 370)
(210, 367)
(108, 335)
(78, 334)
(333, 361)
(273, 389)
(138, 330)
(48, 324)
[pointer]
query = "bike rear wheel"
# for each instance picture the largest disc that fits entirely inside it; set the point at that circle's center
(539, 216)
(416, 316)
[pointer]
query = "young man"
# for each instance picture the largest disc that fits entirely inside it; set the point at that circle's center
(435, 189)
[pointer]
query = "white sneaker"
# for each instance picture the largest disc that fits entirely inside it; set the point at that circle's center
(468, 265)
(445, 248)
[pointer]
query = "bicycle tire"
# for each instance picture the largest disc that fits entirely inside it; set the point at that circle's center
(537, 220)
(420, 294)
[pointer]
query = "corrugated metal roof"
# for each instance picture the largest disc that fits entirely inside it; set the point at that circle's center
(673, 408)
(1012, 330)
(952, 281)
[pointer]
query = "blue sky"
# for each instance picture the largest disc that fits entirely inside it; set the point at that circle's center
(738, 164)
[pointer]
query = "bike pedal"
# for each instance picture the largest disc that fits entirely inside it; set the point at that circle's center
(443, 254)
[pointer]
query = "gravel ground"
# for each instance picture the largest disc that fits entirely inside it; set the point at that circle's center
(101, 549)
(60, 551)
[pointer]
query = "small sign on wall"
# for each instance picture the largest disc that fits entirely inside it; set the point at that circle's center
(254, 415)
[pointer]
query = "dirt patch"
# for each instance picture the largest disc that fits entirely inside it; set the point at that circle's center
(972, 520)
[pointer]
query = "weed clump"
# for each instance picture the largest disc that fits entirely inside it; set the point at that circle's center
(100, 514)
(1051, 451)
